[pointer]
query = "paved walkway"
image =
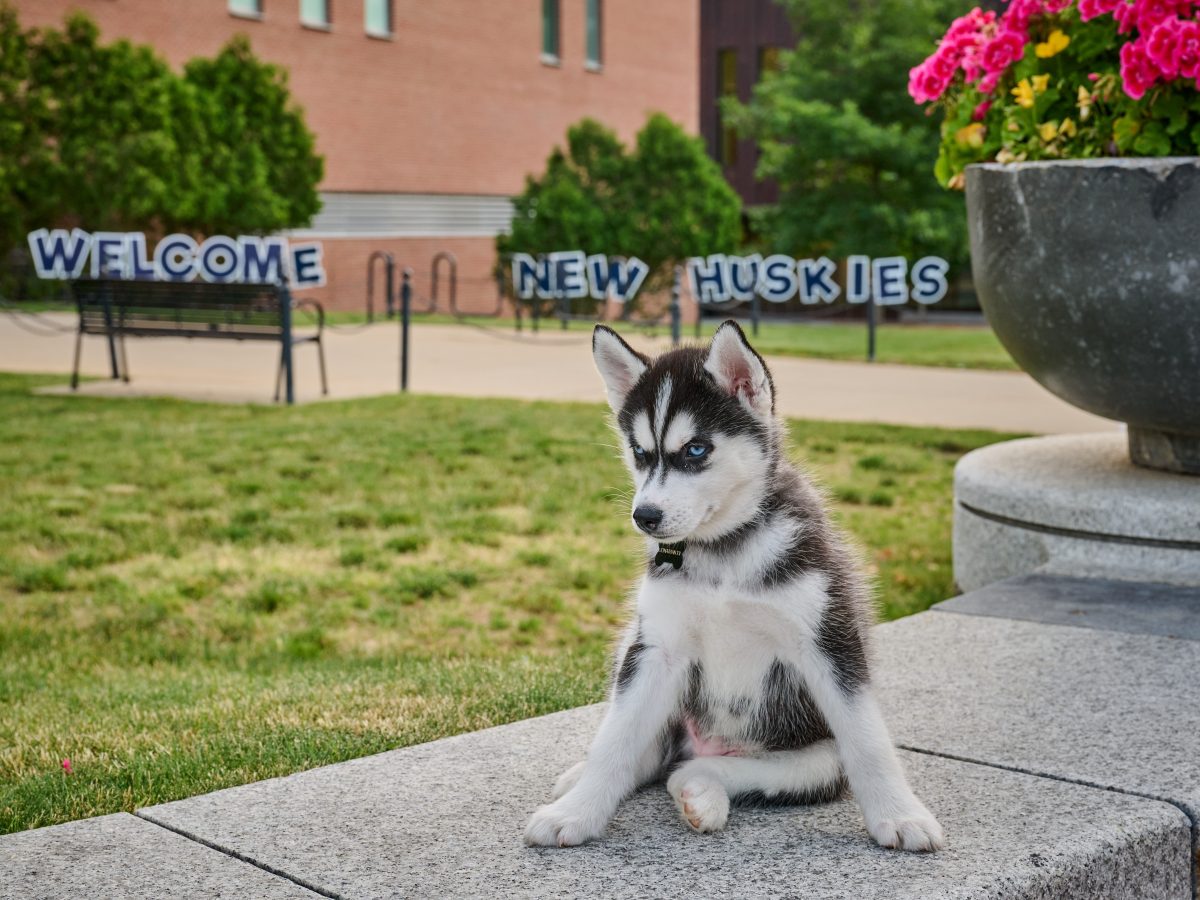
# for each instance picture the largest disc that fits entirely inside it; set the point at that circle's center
(553, 365)
(1051, 724)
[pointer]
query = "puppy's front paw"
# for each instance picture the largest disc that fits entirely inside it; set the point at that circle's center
(567, 780)
(702, 800)
(915, 829)
(561, 825)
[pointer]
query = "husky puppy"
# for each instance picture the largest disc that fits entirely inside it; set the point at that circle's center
(744, 674)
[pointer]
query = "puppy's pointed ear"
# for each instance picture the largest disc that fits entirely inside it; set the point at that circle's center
(619, 364)
(740, 371)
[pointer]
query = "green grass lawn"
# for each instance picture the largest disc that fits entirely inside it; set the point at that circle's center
(196, 596)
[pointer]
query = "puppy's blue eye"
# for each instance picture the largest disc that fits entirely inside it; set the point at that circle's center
(638, 451)
(695, 451)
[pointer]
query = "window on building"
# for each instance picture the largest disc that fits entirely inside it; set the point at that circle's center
(595, 40)
(249, 8)
(768, 61)
(727, 141)
(315, 12)
(550, 30)
(377, 17)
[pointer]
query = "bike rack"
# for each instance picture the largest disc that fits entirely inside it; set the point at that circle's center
(443, 256)
(389, 294)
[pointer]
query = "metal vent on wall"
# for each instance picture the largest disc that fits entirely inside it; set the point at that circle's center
(362, 215)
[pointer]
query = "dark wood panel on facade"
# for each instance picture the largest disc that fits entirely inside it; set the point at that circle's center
(737, 40)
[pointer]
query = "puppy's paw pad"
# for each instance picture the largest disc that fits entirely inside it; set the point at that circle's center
(917, 832)
(704, 804)
(559, 826)
(567, 780)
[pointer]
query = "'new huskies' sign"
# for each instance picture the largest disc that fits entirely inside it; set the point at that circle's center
(884, 280)
(59, 253)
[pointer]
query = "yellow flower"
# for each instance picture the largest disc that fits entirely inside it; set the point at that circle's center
(1053, 45)
(1084, 102)
(971, 135)
(957, 182)
(1067, 128)
(1024, 94)
(1040, 82)
(1048, 131)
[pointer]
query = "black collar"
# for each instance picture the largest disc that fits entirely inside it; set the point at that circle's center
(670, 553)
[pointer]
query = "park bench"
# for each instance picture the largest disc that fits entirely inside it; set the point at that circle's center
(193, 309)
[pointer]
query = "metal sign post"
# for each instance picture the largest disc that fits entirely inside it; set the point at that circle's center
(871, 314)
(676, 313)
(405, 317)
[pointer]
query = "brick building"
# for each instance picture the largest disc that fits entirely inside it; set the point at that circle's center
(431, 114)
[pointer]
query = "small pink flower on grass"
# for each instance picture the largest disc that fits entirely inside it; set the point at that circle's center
(66, 764)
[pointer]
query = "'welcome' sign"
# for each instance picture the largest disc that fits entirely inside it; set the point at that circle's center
(720, 278)
(249, 259)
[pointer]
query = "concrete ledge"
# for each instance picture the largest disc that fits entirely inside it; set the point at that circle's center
(121, 856)
(445, 819)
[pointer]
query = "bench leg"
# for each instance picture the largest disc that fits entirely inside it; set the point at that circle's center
(75, 366)
(321, 359)
(279, 377)
(124, 360)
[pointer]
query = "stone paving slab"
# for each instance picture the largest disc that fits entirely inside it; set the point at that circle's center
(1107, 708)
(1133, 607)
(445, 819)
(121, 857)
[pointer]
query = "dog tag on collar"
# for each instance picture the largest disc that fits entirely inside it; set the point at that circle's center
(670, 553)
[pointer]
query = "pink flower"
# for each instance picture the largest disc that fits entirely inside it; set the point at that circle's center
(1187, 49)
(1126, 15)
(66, 764)
(1093, 76)
(981, 110)
(1162, 46)
(924, 84)
(1150, 12)
(1138, 73)
(1002, 51)
(970, 24)
(1016, 17)
(1091, 9)
(988, 83)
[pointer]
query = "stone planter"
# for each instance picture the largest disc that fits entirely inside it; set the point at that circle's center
(1089, 273)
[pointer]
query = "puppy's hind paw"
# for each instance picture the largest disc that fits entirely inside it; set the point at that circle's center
(559, 825)
(917, 831)
(703, 802)
(567, 780)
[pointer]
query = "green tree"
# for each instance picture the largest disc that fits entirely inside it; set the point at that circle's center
(245, 147)
(663, 201)
(107, 137)
(846, 144)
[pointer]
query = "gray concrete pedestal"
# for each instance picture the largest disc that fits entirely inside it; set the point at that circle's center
(1072, 505)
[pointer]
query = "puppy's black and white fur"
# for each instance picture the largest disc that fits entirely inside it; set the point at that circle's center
(744, 673)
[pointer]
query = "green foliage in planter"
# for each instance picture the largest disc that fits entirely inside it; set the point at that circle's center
(838, 133)
(662, 201)
(1074, 82)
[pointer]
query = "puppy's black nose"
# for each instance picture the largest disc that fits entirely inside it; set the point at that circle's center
(648, 518)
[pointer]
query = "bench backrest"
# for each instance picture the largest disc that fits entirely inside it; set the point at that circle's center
(186, 308)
